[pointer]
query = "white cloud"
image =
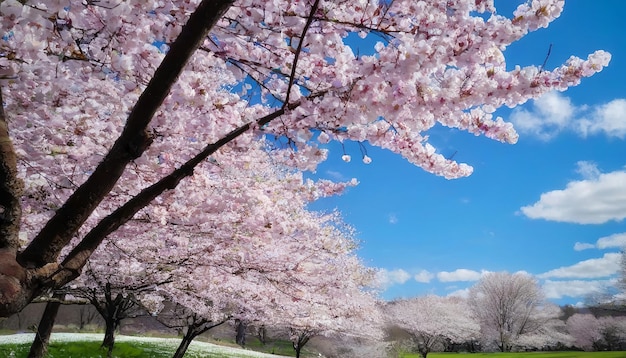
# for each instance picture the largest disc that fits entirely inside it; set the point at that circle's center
(574, 288)
(580, 246)
(591, 201)
(459, 293)
(615, 240)
(609, 119)
(337, 176)
(393, 219)
(588, 170)
(593, 268)
(387, 278)
(553, 113)
(459, 275)
(607, 242)
(424, 276)
(549, 114)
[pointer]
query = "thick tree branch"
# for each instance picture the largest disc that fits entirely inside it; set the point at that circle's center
(12, 275)
(307, 25)
(133, 141)
(78, 257)
(10, 189)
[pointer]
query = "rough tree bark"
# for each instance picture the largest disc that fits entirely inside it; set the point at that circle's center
(113, 311)
(197, 326)
(240, 328)
(302, 339)
(39, 347)
(26, 274)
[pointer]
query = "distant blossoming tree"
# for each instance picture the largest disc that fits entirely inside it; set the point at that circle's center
(513, 312)
(238, 235)
(591, 333)
(433, 321)
(101, 94)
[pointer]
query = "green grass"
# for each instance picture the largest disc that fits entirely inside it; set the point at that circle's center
(525, 355)
(128, 347)
(93, 350)
(275, 347)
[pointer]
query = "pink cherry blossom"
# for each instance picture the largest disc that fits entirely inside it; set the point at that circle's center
(93, 110)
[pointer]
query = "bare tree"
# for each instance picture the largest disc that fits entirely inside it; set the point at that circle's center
(622, 280)
(511, 309)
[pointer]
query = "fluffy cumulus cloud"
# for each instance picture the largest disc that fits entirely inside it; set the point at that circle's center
(553, 113)
(580, 246)
(548, 115)
(574, 288)
(612, 241)
(609, 119)
(588, 170)
(423, 276)
(607, 242)
(594, 200)
(387, 278)
(459, 275)
(605, 266)
(464, 293)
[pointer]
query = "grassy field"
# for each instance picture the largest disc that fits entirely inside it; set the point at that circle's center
(88, 346)
(526, 355)
(66, 345)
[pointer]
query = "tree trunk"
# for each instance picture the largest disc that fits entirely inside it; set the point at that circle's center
(184, 344)
(39, 348)
(300, 342)
(19, 283)
(423, 350)
(195, 329)
(240, 338)
(262, 335)
(109, 335)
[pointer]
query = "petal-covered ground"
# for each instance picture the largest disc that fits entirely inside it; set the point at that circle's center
(199, 348)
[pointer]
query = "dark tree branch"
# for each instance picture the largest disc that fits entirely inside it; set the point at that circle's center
(133, 141)
(292, 76)
(77, 258)
(12, 275)
(10, 189)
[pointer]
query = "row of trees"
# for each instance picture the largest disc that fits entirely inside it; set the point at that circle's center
(109, 105)
(244, 248)
(152, 152)
(503, 312)
(431, 323)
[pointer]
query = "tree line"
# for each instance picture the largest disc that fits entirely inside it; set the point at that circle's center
(163, 147)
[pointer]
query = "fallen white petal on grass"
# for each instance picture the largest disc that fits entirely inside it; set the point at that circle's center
(196, 346)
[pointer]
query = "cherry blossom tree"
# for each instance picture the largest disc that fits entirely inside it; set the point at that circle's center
(591, 333)
(621, 284)
(302, 294)
(240, 246)
(432, 321)
(585, 330)
(545, 330)
(613, 332)
(340, 307)
(103, 94)
(169, 242)
(114, 281)
(512, 310)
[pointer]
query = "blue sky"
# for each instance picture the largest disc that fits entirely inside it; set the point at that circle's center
(433, 235)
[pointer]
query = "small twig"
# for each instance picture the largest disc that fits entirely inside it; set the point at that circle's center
(546, 59)
(292, 76)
